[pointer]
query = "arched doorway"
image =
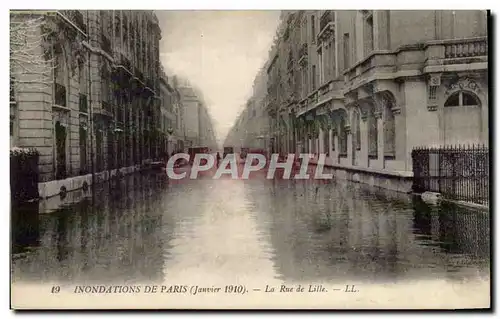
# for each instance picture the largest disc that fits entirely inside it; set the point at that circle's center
(462, 119)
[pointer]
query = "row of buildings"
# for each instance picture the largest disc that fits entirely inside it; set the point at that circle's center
(185, 119)
(88, 91)
(365, 87)
(251, 127)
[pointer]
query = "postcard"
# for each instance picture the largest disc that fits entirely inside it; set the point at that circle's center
(293, 159)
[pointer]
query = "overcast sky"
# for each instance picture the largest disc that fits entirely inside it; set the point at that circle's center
(220, 52)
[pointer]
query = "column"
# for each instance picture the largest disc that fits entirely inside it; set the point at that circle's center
(349, 145)
(335, 153)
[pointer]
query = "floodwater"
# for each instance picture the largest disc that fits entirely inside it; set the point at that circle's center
(146, 229)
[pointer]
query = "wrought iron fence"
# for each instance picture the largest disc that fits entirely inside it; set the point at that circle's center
(24, 175)
(457, 172)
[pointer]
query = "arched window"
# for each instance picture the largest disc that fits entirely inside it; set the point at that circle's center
(342, 138)
(462, 123)
(83, 145)
(389, 131)
(462, 98)
(357, 130)
(105, 82)
(60, 74)
(372, 135)
(61, 134)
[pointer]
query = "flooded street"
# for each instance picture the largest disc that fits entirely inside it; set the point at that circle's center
(145, 229)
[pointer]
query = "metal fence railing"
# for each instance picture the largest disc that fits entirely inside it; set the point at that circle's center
(457, 172)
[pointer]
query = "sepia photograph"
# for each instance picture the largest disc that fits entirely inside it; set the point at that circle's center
(250, 159)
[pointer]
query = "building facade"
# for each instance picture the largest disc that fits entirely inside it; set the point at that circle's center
(87, 95)
(251, 128)
(171, 118)
(365, 87)
(199, 128)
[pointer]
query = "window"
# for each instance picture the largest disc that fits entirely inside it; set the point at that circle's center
(59, 77)
(313, 80)
(342, 138)
(105, 81)
(372, 135)
(304, 81)
(313, 28)
(368, 33)
(332, 56)
(326, 141)
(357, 130)
(303, 31)
(83, 87)
(83, 148)
(462, 119)
(389, 131)
(347, 44)
(462, 98)
(321, 65)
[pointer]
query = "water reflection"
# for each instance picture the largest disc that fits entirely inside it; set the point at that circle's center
(339, 231)
(144, 228)
(114, 236)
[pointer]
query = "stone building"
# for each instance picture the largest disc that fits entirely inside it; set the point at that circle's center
(251, 128)
(94, 97)
(171, 118)
(199, 127)
(365, 87)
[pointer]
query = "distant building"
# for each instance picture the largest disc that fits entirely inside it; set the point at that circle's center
(168, 117)
(251, 128)
(199, 128)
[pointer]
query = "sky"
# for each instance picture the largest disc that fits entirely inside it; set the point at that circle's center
(220, 52)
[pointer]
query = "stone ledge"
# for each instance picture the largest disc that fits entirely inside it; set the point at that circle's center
(398, 174)
(52, 188)
(456, 67)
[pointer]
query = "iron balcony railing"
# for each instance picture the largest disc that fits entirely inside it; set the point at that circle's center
(106, 44)
(303, 51)
(327, 17)
(77, 18)
(457, 172)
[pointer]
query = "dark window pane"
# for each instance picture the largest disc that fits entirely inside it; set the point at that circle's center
(469, 99)
(452, 100)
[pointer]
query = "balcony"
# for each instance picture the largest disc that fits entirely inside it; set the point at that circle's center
(106, 44)
(326, 25)
(418, 59)
(138, 74)
(456, 51)
(79, 21)
(83, 103)
(466, 48)
(75, 17)
(303, 53)
(59, 95)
